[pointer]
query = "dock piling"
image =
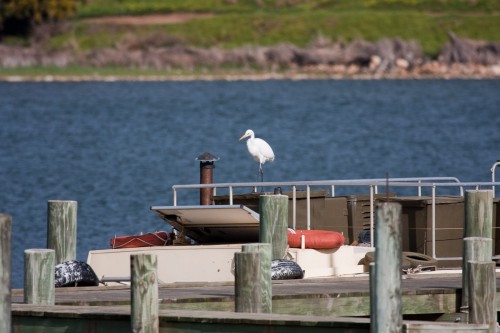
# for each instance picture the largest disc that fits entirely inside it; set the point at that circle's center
(39, 275)
(386, 307)
(144, 293)
(478, 213)
(264, 249)
(475, 249)
(247, 282)
(5, 272)
(478, 231)
(482, 293)
(61, 229)
(273, 210)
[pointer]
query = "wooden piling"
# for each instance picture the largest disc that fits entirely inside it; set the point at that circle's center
(475, 249)
(264, 249)
(39, 274)
(386, 312)
(144, 293)
(482, 294)
(273, 210)
(478, 213)
(5, 272)
(247, 282)
(61, 229)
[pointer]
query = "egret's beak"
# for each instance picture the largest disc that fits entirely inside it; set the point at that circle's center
(244, 136)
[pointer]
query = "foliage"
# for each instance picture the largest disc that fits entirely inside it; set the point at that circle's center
(39, 11)
(21, 15)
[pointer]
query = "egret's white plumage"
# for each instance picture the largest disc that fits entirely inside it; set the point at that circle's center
(260, 150)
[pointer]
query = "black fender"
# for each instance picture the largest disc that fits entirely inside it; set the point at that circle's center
(282, 269)
(75, 273)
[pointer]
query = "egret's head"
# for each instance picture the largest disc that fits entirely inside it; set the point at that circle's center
(248, 133)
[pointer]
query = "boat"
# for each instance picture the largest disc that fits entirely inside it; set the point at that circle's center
(208, 235)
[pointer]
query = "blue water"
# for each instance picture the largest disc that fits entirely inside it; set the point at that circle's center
(117, 148)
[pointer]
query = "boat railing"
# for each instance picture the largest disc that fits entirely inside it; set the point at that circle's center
(430, 183)
(493, 169)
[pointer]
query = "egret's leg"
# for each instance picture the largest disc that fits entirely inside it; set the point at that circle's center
(261, 172)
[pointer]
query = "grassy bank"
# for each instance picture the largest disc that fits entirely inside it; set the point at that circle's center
(264, 22)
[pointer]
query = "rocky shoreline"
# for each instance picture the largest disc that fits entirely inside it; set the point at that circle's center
(323, 59)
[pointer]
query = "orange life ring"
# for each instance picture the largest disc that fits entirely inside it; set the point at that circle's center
(316, 239)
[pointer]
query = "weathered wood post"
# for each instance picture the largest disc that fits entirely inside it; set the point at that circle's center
(39, 274)
(273, 210)
(5, 272)
(475, 249)
(61, 229)
(385, 312)
(264, 249)
(144, 293)
(247, 282)
(482, 293)
(478, 211)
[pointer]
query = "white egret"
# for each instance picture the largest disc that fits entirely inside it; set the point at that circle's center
(260, 150)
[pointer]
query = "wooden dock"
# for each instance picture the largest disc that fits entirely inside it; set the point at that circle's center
(384, 302)
(330, 304)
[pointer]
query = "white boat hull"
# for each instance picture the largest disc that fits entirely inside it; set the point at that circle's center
(214, 263)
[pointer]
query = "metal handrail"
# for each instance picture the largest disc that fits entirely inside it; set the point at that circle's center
(430, 182)
(350, 182)
(493, 168)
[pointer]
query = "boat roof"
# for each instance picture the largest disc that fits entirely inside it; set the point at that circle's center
(209, 216)
(213, 223)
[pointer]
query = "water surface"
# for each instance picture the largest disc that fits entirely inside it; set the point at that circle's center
(117, 148)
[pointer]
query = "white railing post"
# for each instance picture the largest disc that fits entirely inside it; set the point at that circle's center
(433, 221)
(308, 207)
(294, 206)
(497, 163)
(372, 205)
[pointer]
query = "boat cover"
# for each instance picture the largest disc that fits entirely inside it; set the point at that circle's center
(213, 223)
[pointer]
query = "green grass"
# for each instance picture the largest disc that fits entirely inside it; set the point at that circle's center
(300, 27)
(137, 7)
(119, 72)
(79, 71)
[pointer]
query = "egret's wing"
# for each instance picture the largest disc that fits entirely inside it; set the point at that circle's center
(264, 149)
